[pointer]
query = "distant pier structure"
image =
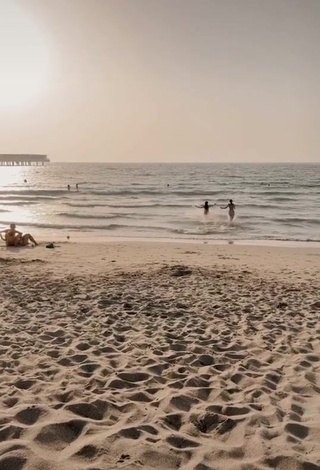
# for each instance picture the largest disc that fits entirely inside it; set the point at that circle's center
(23, 160)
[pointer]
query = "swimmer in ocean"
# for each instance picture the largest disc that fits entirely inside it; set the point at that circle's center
(206, 207)
(231, 208)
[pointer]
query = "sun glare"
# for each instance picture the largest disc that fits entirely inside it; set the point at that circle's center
(23, 57)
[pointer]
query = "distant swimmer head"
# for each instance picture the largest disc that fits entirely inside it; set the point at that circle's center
(206, 204)
(230, 201)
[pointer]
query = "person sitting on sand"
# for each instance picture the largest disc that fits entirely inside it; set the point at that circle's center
(231, 208)
(13, 237)
(206, 207)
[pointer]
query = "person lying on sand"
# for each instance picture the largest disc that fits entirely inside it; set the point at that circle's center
(206, 207)
(13, 237)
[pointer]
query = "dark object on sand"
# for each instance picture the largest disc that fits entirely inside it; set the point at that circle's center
(180, 270)
(50, 245)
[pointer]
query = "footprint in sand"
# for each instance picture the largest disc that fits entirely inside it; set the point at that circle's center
(88, 452)
(174, 421)
(30, 415)
(94, 411)
(181, 442)
(10, 432)
(12, 463)
(59, 436)
(297, 430)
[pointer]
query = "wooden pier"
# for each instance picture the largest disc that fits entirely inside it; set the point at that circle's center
(23, 160)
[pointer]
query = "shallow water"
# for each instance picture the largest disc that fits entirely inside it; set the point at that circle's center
(273, 202)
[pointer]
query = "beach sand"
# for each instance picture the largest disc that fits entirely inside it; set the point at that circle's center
(132, 355)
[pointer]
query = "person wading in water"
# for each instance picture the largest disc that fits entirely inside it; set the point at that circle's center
(206, 207)
(231, 208)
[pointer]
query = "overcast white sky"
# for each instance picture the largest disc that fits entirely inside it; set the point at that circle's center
(161, 80)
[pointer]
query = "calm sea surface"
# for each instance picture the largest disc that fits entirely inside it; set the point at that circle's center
(273, 202)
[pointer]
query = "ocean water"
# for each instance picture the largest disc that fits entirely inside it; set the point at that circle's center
(273, 202)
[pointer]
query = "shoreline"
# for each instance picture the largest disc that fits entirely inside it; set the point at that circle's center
(101, 239)
(89, 254)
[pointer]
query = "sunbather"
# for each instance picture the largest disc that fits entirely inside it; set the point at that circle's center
(13, 237)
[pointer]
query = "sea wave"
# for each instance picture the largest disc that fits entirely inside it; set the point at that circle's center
(90, 205)
(259, 206)
(126, 206)
(17, 203)
(80, 227)
(71, 215)
(37, 192)
(287, 239)
(279, 193)
(127, 192)
(282, 199)
(27, 198)
(197, 193)
(295, 220)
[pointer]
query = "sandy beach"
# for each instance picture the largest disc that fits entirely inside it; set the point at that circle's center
(132, 355)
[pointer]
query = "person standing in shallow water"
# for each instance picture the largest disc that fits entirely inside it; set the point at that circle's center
(206, 206)
(231, 208)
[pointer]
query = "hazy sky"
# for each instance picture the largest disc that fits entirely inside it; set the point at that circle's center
(161, 80)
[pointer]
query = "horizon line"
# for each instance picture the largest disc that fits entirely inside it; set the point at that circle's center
(192, 163)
